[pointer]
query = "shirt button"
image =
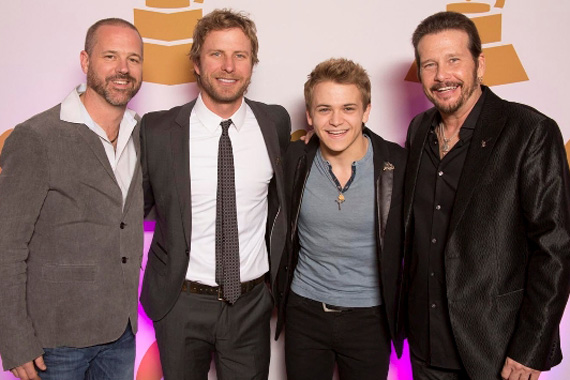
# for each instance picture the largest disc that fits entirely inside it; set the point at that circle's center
(124, 260)
(432, 274)
(433, 306)
(438, 207)
(440, 173)
(434, 240)
(122, 226)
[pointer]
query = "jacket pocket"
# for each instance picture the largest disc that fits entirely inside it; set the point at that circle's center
(158, 258)
(63, 273)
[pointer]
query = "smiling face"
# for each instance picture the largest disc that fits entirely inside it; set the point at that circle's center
(225, 68)
(114, 66)
(449, 73)
(337, 114)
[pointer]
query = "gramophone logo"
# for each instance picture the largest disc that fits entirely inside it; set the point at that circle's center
(568, 150)
(503, 63)
(167, 27)
(3, 138)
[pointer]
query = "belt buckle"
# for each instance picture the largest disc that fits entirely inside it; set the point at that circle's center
(220, 295)
(327, 310)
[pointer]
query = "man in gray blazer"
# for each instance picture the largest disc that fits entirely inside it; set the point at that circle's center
(193, 316)
(71, 234)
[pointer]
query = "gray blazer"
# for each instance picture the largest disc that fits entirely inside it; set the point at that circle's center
(166, 183)
(70, 254)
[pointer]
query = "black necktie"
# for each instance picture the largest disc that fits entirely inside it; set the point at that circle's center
(227, 240)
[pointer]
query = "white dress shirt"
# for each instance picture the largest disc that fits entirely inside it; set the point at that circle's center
(253, 172)
(123, 160)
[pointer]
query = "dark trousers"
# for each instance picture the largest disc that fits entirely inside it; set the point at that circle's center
(199, 326)
(357, 339)
(423, 371)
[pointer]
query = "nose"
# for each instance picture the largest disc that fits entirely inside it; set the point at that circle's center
(336, 118)
(123, 66)
(228, 64)
(441, 73)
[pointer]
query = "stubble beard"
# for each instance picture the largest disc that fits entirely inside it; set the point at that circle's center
(118, 98)
(466, 93)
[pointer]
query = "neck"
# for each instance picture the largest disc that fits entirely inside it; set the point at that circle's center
(223, 110)
(106, 115)
(344, 159)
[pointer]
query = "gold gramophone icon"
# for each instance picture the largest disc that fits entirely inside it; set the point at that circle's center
(166, 30)
(503, 64)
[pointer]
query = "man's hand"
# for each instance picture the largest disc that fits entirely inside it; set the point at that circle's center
(513, 370)
(308, 136)
(27, 371)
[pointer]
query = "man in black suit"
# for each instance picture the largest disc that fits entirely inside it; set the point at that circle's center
(487, 220)
(187, 289)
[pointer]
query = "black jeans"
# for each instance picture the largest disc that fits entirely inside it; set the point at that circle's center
(423, 371)
(357, 339)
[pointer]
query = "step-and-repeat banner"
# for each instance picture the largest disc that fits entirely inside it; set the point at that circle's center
(525, 42)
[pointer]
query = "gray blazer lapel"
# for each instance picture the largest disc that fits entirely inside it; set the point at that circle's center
(94, 143)
(488, 128)
(180, 155)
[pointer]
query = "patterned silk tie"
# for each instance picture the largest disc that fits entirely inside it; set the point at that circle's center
(227, 241)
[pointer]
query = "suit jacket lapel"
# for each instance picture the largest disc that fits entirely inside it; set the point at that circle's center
(269, 132)
(94, 143)
(416, 148)
(135, 184)
(489, 126)
(384, 175)
(180, 152)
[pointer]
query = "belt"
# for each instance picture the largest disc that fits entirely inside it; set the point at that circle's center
(197, 288)
(335, 309)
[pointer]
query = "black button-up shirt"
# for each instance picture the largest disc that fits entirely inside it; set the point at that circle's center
(430, 334)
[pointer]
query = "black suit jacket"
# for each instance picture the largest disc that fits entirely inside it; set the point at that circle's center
(389, 169)
(507, 254)
(166, 182)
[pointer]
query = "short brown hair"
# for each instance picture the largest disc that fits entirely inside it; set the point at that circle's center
(442, 21)
(90, 39)
(342, 71)
(221, 19)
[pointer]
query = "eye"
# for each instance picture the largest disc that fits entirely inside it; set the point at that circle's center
(323, 110)
(241, 56)
(454, 60)
(216, 54)
(109, 57)
(135, 60)
(349, 108)
(428, 65)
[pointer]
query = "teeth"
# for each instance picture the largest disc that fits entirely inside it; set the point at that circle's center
(227, 80)
(337, 132)
(446, 88)
(120, 82)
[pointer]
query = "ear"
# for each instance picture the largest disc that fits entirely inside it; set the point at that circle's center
(482, 66)
(196, 67)
(366, 114)
(84, 60)
(309, 118)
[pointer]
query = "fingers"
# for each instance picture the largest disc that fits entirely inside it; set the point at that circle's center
(40, 363)
(513, 370)
(26, 371)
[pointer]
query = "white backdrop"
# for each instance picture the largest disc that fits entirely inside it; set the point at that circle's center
(41, 41)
